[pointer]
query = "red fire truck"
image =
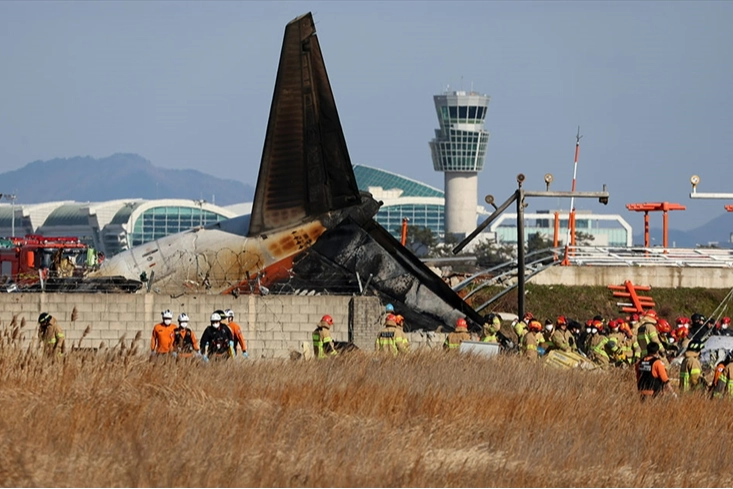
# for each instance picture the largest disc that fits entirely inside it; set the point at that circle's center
(25, 261)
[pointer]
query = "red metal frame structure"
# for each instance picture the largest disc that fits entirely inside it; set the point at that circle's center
(664, 207)
(629, 291)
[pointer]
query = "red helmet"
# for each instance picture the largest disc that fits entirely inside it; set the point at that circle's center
(461, 324)
(651, 313)
(528, 316)
(663, 326)
(561, 320)
(390, 317)
(327, 319)
(725, 320)
(683, 321)
(634, 317)
(613, 324)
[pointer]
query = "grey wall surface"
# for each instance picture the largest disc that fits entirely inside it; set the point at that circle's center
(274, 326)
(663, 277)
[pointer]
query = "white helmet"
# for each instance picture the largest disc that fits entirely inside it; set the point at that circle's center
(167, 314)
(229, 313)
(183, 318)
(215, 318)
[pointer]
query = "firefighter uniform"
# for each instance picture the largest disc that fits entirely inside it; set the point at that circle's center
(646, 333)
(50, 335)
(691, 379)
(323, 345)
(391, 338)
(562, 339)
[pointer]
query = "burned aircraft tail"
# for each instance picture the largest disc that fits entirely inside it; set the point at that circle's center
(305, 169)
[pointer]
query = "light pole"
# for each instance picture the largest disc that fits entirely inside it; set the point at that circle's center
(518, 197)
(11, 198)
(200, 203)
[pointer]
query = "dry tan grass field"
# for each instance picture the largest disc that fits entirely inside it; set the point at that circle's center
(430, 419)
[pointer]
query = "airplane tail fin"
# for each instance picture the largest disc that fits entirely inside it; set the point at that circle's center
(305, 169)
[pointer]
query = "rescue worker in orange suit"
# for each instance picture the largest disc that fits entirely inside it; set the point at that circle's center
(529, 343)
(184, 341)
(236, 333)
(50, 335)
(217, 341)
(454, 339)
(391, 338)
(651, 374)
(323, 345)
(691, 379)
(162, 341)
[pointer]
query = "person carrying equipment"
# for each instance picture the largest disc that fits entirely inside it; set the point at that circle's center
(217, 341)
(184, 341)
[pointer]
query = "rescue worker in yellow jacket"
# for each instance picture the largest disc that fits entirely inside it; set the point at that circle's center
(521, 327)
(529, 343)
(646, 332)
(454, 339)
(490, 330)
(50, 335)
(561, 338)
(597, 344)
(323, 345)
(391, 338)
(691, 379)
(616, 342)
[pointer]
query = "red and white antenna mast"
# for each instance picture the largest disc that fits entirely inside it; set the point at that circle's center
(570, 241)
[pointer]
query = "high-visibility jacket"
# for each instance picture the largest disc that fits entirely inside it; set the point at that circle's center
(454, 339)
(52, 337)
(529, 345)
(724, 387)
(691, 373)
(615, 346)
(562, 340)
(322, 343)
(597, 349)
(647, 333)
(392, 339)
(520, 328)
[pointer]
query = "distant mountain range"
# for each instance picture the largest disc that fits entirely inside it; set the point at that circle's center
(120, 176)
(716, 231)
(127, 176)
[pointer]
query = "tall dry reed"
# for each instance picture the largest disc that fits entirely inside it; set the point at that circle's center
(117, 419)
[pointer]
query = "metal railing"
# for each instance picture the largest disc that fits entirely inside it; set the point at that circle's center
(658, 257)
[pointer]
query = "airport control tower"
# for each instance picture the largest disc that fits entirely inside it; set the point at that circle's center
(459, 151)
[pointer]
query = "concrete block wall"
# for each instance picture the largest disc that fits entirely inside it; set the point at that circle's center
(272, 325)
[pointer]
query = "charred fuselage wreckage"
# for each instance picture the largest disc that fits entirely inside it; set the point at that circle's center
(310, 227)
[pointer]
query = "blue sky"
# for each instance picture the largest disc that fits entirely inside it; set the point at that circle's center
(188, 85)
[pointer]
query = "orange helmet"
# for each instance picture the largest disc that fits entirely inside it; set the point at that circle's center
(534, 325)
(626, 329)
(680, 333)
(399, 319)
(561, 320)
(461, 324)
(327, 319)
(663, 326)
(651, 313)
